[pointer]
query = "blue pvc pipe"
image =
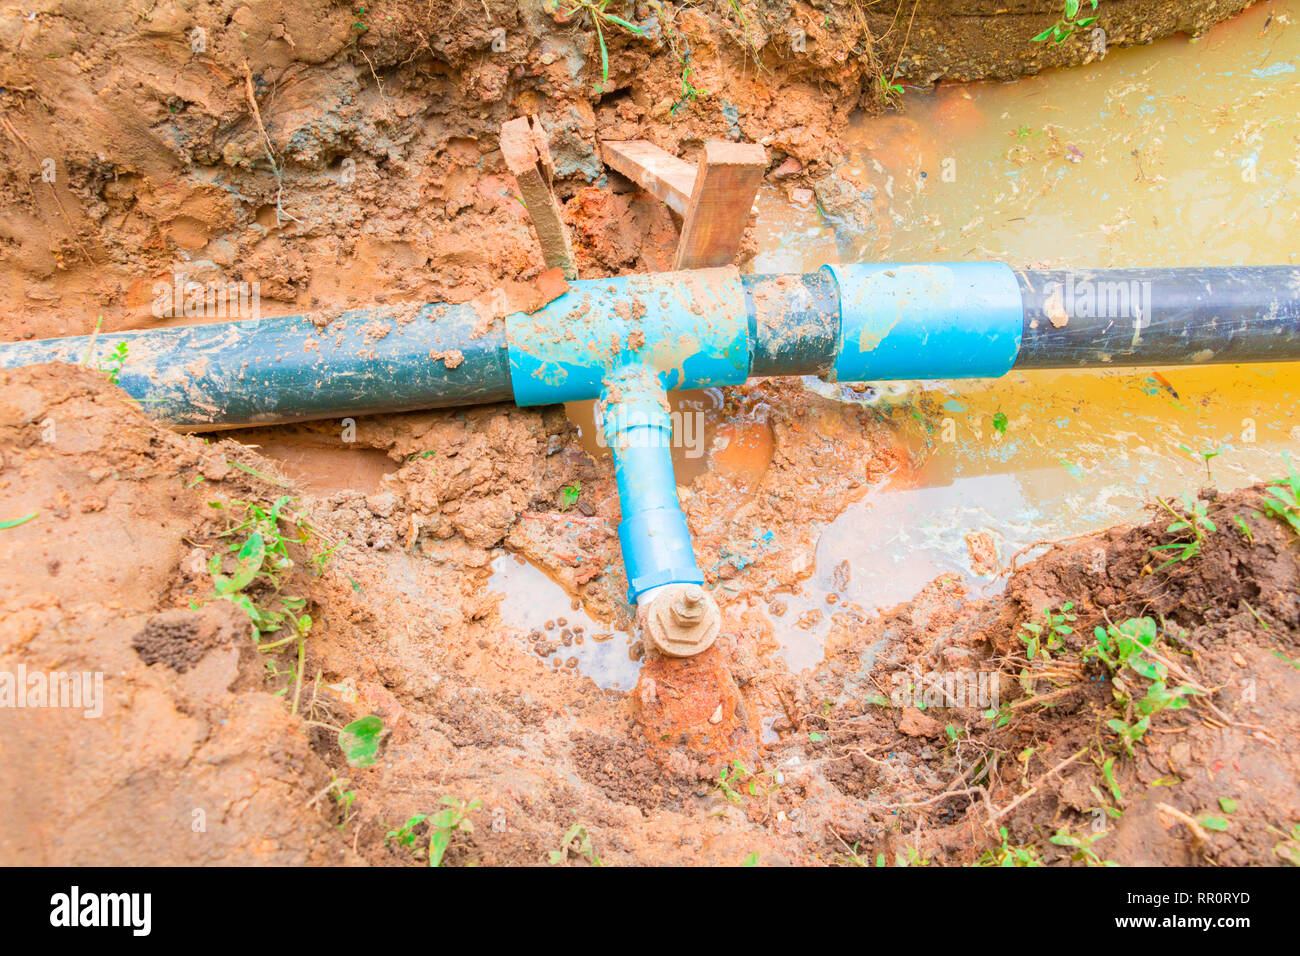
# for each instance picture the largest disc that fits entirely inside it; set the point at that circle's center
(653, 534)
(935, 320)
(690, 328)
(264, 371)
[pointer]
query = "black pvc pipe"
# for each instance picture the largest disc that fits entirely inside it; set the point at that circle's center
(1191, 316)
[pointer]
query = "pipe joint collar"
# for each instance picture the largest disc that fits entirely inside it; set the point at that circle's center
(935, 320)
(631, 402)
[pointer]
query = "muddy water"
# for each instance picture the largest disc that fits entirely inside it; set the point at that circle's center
(1185, 152)
(541, 613)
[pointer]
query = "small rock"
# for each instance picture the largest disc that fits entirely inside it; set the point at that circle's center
(787, 168)
(382, 504)
(913, 723)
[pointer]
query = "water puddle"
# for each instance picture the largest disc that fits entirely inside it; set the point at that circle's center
(567, 638)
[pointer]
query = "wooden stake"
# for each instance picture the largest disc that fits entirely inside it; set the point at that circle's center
(725, 186)
(523, 144)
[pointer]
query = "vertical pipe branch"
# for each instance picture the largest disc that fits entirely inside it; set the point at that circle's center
(653, 534)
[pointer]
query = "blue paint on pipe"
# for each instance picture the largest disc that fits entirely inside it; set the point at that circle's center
(653, 534)
(690, 328)
(934, 320)
(263, 371)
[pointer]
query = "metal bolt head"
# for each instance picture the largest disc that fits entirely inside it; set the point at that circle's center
(689, 608)
(681, 621)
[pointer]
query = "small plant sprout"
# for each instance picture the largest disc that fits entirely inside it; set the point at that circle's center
(571, 495)
(1131, 646)
(596, 13)
(1194, 520)
(1008, 855)
(1042, 637)
(1288, 849)
(116, 359)
(443, 826)
(405, 834)
(1283, 498)
(890, 91)
(575, 845)
(1205, 458)
(1067, 23)
(1082, 847)
(451, 820)
(736, 773)
(1243, 528)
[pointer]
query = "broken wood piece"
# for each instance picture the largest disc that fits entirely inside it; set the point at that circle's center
(523, 144)
(722, 196)
(655, 170)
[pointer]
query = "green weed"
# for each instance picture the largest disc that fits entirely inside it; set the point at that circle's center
(253, 571)
(1288, 849)
(1131, 646)
(595, 12)
(1067, 23)
(575, 845)
(571, 494)
(1042, 637)
(1205, 457)
(1008, 855)
(1283, 498)
(443, 826)
(1193, 520)
(116, 359)
(1082, 847)
(890, 91)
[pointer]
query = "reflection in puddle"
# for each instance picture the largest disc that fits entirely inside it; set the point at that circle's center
(565, 637)
(1081, 451)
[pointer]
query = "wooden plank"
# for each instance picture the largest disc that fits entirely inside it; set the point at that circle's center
(654, 170)
(725, 186)
(523, 144)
